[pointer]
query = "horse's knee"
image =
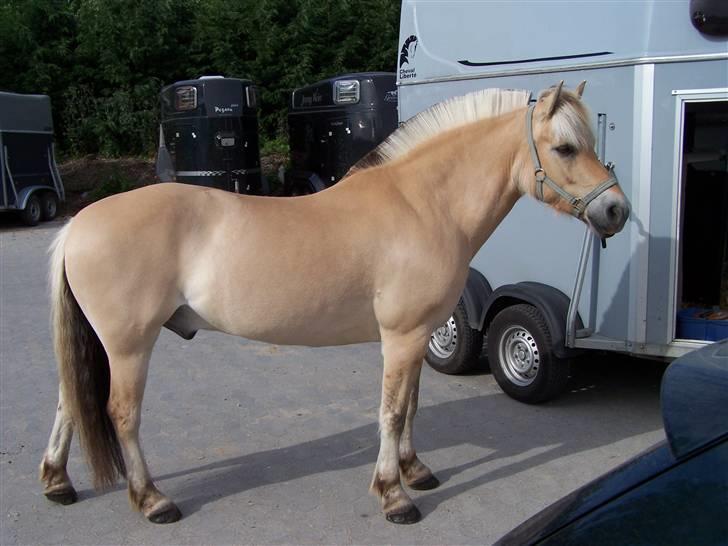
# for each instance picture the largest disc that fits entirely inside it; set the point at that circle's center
(392, 420)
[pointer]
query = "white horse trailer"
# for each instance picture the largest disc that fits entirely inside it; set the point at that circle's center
(657, 87)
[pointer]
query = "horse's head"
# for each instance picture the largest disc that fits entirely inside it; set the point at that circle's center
(562, 168)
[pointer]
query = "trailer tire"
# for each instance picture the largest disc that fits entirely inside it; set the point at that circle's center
(520, 355)
(49, 206)
(455, 347)
(32, 212)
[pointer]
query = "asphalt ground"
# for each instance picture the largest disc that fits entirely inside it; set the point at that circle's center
(265, 444)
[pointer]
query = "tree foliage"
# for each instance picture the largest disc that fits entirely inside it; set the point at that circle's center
(103, 62)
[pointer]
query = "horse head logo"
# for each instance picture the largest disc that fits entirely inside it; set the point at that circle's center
(408, 50)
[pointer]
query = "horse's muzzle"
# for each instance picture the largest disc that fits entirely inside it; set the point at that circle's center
(608, 213)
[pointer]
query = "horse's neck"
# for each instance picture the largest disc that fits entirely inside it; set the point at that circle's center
(467, 176)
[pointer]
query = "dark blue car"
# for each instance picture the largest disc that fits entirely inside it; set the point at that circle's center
(676, 492)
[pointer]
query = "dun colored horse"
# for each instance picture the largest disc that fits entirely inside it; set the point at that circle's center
(383, 255)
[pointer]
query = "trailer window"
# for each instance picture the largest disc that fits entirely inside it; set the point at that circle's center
(185, 98)
(346, 92)
(251, 96)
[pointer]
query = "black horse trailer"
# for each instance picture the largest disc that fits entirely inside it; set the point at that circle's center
(209, 134)
(29, 176)
(334, 123)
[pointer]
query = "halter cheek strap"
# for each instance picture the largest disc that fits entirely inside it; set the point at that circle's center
(578, 204)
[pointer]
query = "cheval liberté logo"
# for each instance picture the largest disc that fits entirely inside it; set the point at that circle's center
(407, 57)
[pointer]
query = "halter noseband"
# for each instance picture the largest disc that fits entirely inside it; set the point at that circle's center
(578, 204)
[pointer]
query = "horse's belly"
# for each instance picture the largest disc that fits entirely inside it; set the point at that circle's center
(292, 276)
(319, 332)
(287, 318)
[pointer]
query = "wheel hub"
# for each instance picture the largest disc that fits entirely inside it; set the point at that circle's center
(444, 339)
(520, 356)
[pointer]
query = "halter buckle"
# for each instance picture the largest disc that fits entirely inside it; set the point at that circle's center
(578, 207)
(540, 174)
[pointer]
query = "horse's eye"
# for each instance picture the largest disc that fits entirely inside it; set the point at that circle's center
(565, 149)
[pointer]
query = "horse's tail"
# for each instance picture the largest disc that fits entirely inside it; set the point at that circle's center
(83, 369)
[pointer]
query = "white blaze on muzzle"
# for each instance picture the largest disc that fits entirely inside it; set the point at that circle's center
(578, 204)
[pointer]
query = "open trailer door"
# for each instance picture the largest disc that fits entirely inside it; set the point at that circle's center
(701, 261)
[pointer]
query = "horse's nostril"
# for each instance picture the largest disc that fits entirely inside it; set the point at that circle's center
(614, 213)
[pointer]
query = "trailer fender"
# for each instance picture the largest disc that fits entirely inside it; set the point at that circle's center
(25, 193)
(475, 296)
(316, 183)
(551, 302)
(298, 178)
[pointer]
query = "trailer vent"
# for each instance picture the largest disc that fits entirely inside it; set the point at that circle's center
(185, 98)
(251, 96)
(346, 92)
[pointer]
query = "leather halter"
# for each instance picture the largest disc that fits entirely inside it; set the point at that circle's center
(578, 204)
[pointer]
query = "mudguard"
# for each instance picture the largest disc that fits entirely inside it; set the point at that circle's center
(25, 193)
(296, 178)
(316, 183)
(475, 296)
(551, 302)
(164, 165)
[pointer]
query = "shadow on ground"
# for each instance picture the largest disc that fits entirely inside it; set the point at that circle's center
(534, 435)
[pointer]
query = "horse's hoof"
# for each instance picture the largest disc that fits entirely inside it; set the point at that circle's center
(63, 496)
(430, 482)
(405, 518)
(168, 514)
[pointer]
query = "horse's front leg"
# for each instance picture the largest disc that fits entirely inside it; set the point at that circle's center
(53, 474)
(414, 472)
(403, 356)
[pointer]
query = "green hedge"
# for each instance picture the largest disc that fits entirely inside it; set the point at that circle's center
(103, 62)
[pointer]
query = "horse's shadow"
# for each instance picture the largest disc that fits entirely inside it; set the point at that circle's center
(528, 435)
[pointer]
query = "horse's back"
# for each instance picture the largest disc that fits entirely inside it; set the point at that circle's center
(324, 269)
(264, 268)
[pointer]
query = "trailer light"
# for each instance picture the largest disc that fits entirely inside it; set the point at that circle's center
(185, 98)
(251, 96)
(346, 91)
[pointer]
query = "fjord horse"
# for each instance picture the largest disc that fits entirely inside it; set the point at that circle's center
(383, 255)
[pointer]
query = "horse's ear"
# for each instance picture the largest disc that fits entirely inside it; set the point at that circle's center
(552, 100)
(580, 88)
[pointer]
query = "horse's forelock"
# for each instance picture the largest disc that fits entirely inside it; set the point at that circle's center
(570, 123)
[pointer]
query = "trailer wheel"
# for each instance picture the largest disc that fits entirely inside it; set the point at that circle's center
(31, 214)
(520, 356)
(454, 347)
(49, 206)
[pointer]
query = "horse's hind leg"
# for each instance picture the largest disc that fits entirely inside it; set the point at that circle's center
(414, 472)
(403, 356)
(53, 474)
(128, 377)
